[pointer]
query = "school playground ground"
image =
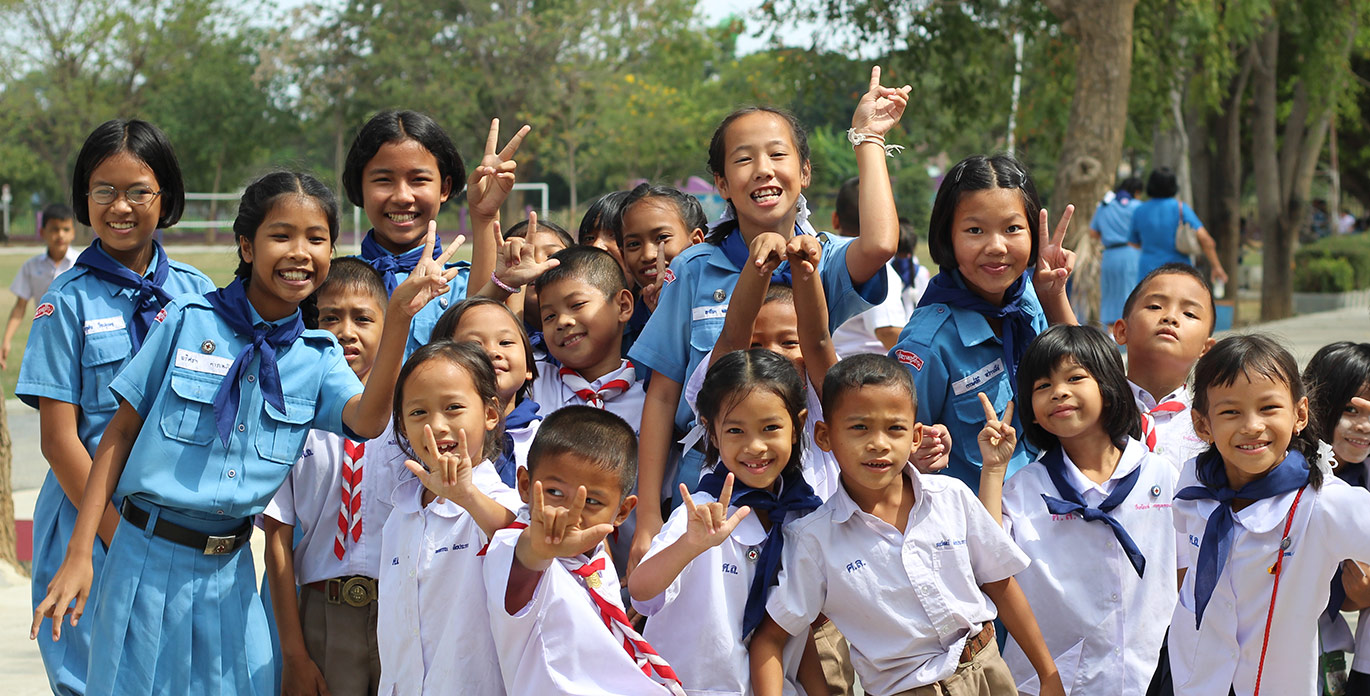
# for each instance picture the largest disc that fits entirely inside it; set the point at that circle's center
(19, 662)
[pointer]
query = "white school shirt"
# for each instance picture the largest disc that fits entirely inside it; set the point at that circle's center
(696, 623)
(557, 643)
(311, 499)
(551, 394)
(523, 441)
(1175, 437)
(432, 628)
(906, 601)
(1102, 623)
(37, 273)
(1331, 524)
(857, 335)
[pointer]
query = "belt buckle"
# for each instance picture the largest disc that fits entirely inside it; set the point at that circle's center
(357, 592)
(219, 545)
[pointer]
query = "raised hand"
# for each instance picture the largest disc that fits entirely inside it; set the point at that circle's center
(491, 181)
(766, 253)
(519, 262)
(430, 276)
(555, 532)
(997, 439)
(803, 252)
(72, 582)
(1054, 261)
(880, 107)
(710, 524)
(448, 475)
(934, 450)
(650, 295)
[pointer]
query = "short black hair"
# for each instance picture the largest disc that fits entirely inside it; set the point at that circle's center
(1132, 185)
(520, 230)
(1099, 356)
(848, 207)
(979, 173)
(467, 355)
(56, 211)
(592, 434)
(600, 216)
(450, 319)
(143, 141)
(865, 370)
(1173, 268)
(352, 273)
(691, 212)
(908, 238)
(1337, 372)
(1162, 183)
(736, 375)
(397, 126)
(587, 264)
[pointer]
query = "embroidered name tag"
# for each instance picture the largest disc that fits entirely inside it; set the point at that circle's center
(199, 362)
(714, 312)
(114, 323)
(978, 378)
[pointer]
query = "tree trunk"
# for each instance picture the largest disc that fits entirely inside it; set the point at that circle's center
(1277, 278)
(1098, 121)
(8, 547)
(1226, 223)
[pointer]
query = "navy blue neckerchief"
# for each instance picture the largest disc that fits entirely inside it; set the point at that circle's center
(231, 304)
(1289, 475)
(149, 296)
(1071, 502)
(524, 413)
(796, 496)
(948, 288)
(906, 269)
(737, 252)
(389, 264)
(1354, 474)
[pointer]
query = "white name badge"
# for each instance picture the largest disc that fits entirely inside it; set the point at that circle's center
(712, 312)
(114, 323)
(977, 379)
(199, 362)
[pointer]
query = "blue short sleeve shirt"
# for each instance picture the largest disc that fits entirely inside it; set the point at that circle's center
(1154, 224)
(1113, 221)
(80, 340)
(178, 460)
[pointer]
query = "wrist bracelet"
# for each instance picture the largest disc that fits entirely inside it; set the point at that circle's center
(500, 284)
(856, 138)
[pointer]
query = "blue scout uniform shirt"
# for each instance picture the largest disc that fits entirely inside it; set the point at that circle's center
(178, 460)
(1154, 225)
(1113, 221)
(694, 300)
(421, 327)
(953, 356)
(80, 340)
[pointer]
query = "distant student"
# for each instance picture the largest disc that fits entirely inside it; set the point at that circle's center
(909, 567)
(875, 330)
(1111, 226)
(126, 185)
(32, 281)
(553, 600)
(913, 275)
(1167, 324)
(337, 498)
(597, 227)
(434, 632)
(1001, 281)
(1092, 513)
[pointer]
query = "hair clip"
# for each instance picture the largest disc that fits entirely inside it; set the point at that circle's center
(959, 171)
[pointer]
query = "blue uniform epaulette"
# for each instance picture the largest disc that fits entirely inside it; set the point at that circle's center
(923, 326)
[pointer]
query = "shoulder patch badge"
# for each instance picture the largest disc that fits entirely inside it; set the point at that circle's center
(44, 310)
(908, 358)
(668, 278)
(161, 314)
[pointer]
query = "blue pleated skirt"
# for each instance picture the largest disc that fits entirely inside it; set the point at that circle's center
(54, 519)
(1117, 277)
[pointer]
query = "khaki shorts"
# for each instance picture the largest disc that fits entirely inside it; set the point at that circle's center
(985, 675)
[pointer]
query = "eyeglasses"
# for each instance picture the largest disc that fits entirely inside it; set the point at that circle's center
(137, 195)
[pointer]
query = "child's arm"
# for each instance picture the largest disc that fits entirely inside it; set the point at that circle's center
(68, 458)
(449, 476)
(74, 577)
(553, 532)
(367, 413)
(1022, 625)
(766, 252)
(709, 525)
(810, 673)
(16, 316)
(876, 114)
(299, 673)
(997, 442)
(516, 265)
(653, 451)
(486, 190)
(1054, 264)
(764, 652)
(815, 340)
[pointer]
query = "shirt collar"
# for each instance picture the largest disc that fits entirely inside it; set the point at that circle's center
(1148, 402)
(844, 508)
(1128, 461)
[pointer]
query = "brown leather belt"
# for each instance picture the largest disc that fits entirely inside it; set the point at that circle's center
(353, 590)
(978, 643)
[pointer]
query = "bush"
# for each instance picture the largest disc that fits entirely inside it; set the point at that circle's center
(1324, 275)
(1353, 249)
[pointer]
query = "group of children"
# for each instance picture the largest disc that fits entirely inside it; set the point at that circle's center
(635, 462)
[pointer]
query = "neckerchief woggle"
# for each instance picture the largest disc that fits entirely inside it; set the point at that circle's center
(948, 288)
(231, 304)
(796, 496)
(149, 297)
(524, 413)
(1289, 475)
(1072, 502)
(389, 264)
(1354, 474)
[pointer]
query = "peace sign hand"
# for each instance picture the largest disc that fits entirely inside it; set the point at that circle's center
(803, 252)
(555, 532)
(710, 523)
(1054, 261)
(448, 475)
(880, 107)
(651, 294)
(430, 276)
(518, 262)
(492, 180)
(998, 439)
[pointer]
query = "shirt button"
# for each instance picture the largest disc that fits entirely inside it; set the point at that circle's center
(218, 512)
(241, 427)
(252, 378)
(232, 473)
(1115, 595)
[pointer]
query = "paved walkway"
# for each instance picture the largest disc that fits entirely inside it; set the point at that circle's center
(19, 657)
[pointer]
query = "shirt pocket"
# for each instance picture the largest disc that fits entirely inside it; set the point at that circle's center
(188, 414)
(704, 332)
(971, 413)
(281, 435)
(104, 354)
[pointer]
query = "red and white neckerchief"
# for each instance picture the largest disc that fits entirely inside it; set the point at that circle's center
(641, 652)
(1149, 420)
(614, 383)
(349, 516)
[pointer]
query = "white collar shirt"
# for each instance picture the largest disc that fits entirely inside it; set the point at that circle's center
(1175, 436)
(1330, 525)
(857, 335)
(709, 597)
(906, 601)
(552, 393)
(1102, 623)
(523, 441)
(37, 273)
(432, 628)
